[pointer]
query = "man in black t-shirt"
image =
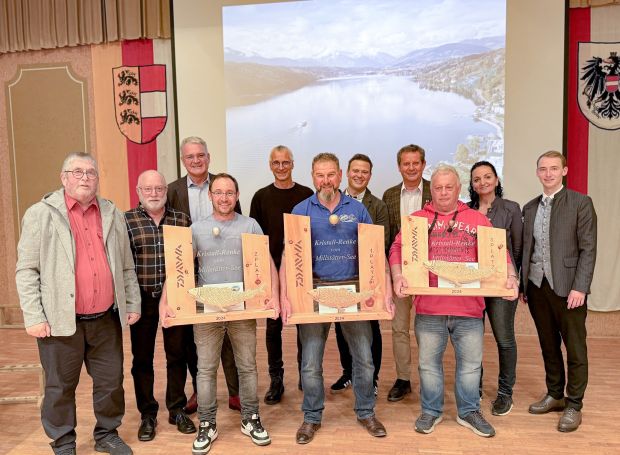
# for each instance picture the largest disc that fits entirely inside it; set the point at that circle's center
(267, 207)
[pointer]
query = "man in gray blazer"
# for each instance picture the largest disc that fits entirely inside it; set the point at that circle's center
(559, 252)
(77, 287)
(190, 195)
(404, 199)
(359, 172)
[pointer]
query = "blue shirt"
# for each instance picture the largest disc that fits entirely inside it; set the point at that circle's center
(200, 207)
(334, 247)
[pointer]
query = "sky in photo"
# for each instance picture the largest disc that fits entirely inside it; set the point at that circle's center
(318, 28)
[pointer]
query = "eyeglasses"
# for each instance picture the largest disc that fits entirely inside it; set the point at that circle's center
(91, 174)
(153, 189)
(199, 156)
(219, 193)
(284, 164)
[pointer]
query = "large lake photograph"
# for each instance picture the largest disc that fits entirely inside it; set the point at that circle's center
(323, 76)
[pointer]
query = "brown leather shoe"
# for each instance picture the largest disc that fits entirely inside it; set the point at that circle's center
(192, 405)
(570, 420)
(373, 426)
(547, 404)
(306, 432)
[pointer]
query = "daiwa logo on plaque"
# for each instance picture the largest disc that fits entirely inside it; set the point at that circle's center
(140, 101)
(598, 90)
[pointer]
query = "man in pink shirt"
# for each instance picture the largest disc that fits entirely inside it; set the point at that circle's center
(452, 237)
(77, 287)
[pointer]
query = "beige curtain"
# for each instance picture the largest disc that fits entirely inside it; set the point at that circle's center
(587, 3)
(45, 24)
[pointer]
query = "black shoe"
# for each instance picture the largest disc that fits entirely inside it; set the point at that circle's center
(502, 405)
(112, 443)
(184, 424)
(342, 384)
(275, 392)
(399, 390)
(65, 451)
(146, 432)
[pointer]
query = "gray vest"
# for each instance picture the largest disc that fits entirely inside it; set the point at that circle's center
(540, 263)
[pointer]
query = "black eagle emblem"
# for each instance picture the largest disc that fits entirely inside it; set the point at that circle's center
(601, 76)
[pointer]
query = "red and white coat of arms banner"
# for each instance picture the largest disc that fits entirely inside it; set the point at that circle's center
(140, 101)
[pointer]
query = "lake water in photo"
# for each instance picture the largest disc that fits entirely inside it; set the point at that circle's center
(374, 115)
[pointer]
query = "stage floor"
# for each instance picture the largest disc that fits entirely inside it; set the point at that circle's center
(517, 433)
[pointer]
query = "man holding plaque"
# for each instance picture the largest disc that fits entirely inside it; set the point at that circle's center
(359, 172)
(145, 227)
(189, 194)
(403, 199)
(217, 244)
(559, 252)
(333, 219)
(452, 235)
(267, 207)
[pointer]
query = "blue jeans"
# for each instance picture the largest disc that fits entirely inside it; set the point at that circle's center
(209, 338)
(358, 335)
(432, 334)
(501, 314)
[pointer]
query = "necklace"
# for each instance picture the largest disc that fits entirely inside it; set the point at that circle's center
(451, 223)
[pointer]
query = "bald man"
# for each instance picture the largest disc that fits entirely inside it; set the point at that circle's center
(144, 224)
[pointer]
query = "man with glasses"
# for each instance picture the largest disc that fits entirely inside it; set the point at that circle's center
(189, 194)
(267, 207)
(217, 245)
(145, 228)
(77, 288)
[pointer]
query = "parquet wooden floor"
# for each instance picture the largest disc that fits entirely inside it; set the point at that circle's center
(517, 433)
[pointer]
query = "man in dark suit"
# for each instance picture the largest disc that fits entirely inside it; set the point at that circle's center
(359, 172)
(405, 198)
(190, 194)
(559, 252)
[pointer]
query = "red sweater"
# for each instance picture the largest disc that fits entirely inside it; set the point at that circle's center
(460, 245)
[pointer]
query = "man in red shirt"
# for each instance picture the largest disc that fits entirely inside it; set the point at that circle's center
(77, 287)
(452, 236)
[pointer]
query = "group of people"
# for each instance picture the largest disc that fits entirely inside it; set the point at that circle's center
(85, 270)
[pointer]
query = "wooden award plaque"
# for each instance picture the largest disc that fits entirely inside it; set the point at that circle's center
(180, 278)
(300, 286)
(491, 258)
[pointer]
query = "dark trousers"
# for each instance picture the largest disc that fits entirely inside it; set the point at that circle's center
(345, 355)
(556, 323)
(228, 361)
(501, 315)
(143, 334)
(273, 341)
(98, 344)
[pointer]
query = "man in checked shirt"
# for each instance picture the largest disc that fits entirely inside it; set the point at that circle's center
(144, 224)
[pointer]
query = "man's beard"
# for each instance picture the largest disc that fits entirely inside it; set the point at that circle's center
(327, 194)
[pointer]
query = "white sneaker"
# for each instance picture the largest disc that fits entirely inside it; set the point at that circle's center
(254, 429)
(207, 433)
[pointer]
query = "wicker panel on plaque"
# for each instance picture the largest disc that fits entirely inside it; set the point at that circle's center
(180, 278)
(491, 258)
(323, 301)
